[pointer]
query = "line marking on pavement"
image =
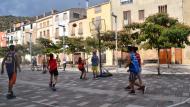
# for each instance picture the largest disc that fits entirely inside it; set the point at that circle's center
(177, 104)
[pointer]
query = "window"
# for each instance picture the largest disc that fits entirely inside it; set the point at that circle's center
(127, 17)
(17, 28)
(126, 1)
(40, 34)
(11, 41)
(44, 24)
(31, 26)
(98, 9)
(76, 15)
(141, 14)
(48, 34)
(47, 23)
(73, 31)
(80, 30)
(162, 9)
(56, 32)
(44, 33)
(64, 16)
(41, 25)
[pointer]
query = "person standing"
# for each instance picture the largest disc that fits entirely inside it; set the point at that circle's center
(44, 65)
(64, 63)
(81, 67)
(52, 66)
(95, 63)
(34, 64)
(11, 61)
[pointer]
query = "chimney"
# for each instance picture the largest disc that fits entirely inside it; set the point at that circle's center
(44, 14)
(87, 4)
(53, 11)
(37, 17)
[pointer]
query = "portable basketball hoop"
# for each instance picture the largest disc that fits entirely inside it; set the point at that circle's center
(97, 27)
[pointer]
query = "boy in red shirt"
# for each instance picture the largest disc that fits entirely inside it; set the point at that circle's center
(81, 67)
(52, 66)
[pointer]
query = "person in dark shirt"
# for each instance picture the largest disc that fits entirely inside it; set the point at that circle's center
(11, 61)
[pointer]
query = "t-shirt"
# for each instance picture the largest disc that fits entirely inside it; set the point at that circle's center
(52, 64)
(80, 65)
(10, 62)
(95, 60)
(138, 58)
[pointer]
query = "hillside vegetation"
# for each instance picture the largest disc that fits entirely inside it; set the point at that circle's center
(7, 21)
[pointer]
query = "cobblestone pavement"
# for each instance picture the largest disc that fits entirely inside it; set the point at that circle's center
(168, 90)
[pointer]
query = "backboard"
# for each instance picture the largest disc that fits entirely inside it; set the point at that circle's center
(97, 26)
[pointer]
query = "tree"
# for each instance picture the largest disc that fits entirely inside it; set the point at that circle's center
(3, 51)
(160, 31)
(74, 45)
(46, 45)
(91, 44)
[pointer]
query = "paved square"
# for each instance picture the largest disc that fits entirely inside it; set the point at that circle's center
(32, 91)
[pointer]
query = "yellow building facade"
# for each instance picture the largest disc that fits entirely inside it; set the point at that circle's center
(100, 15)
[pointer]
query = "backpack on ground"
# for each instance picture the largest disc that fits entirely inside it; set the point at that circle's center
(134, 66)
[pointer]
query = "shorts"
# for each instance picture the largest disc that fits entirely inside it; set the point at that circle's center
(54, 72)
(10, 70)
(132, 77)
(95, 68)
(82, 70)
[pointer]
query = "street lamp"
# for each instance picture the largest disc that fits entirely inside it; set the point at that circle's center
(116, 48)
(30, 45)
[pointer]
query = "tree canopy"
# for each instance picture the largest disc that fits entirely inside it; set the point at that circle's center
(160, 31)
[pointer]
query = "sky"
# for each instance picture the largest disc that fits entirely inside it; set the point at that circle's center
(38, 7)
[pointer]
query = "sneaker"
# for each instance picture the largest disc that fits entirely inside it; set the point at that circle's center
(10, 95)
(143, 88)
(128, 88)
(53, 87)
(50, 85)
(132, 92)
(85, 78)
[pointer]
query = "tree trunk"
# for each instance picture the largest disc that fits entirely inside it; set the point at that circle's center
(73, 60)
(167, 59)
(121, 56)
(87, 64)
(159, 62)
(113, 57)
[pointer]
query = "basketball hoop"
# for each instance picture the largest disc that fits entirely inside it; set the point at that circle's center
(97, 26)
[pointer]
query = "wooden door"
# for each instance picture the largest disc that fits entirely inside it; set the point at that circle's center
(178, 56)
(163, 56)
